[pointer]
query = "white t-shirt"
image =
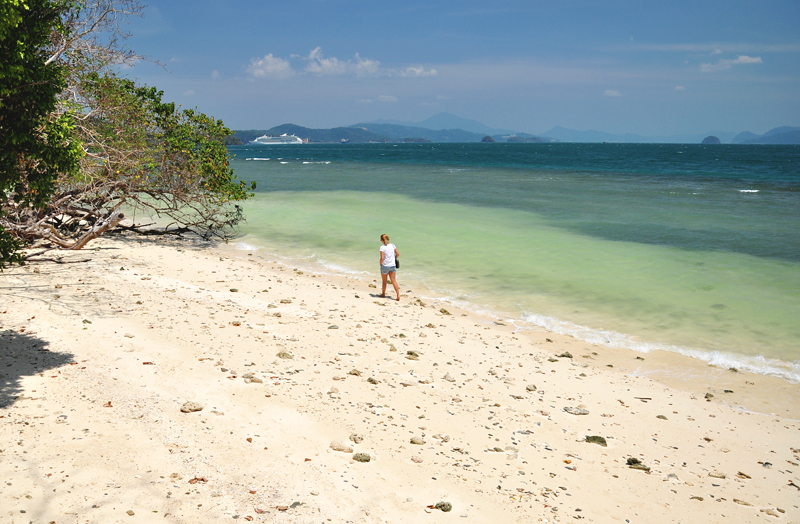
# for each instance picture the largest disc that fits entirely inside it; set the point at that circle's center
(388, 255)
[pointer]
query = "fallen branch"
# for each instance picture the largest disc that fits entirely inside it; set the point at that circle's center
(101, 227)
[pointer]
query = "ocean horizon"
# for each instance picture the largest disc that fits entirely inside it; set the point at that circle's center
(686, 248)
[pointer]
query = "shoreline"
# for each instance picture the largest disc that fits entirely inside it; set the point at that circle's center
(672, 368)
(450, 407)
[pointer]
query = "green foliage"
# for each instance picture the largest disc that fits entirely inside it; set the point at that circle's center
(35, 146)
(11, 14)
(173, 149)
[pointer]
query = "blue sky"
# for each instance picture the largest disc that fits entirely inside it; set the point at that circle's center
(655, 68)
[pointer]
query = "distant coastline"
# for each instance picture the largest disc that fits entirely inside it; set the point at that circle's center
(447, 128)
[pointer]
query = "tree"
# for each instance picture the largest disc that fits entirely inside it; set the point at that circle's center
(36, 142)
(136, 151)
(140, 154)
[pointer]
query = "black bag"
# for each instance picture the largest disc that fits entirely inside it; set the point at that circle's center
(397, 263)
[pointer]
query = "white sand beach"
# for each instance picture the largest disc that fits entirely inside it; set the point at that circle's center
(298, 373)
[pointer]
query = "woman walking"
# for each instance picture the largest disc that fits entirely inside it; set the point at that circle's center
(389, 255)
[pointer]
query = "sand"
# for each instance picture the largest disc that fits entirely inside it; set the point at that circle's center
(97, 359)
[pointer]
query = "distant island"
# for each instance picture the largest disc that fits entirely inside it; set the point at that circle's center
(711, 140)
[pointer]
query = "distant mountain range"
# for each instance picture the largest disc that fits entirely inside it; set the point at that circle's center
(778, 135)
(379, 132)
(449, 121)
(447, 127)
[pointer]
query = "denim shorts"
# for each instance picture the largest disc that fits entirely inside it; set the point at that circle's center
(385, 270)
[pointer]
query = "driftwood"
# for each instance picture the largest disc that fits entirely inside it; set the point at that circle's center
(99, 228)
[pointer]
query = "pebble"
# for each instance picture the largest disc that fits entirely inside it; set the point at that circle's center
(448, 377)
(444, 506)
(130, 512)
(417, 441)
(635, 463)
(356, 438)
(530, 387)
(361, 457)
(191, 407)
(716, 474)
(284, 354)
(333, 327)
(576, 411)
(596, 439)
(338, 445)
(285, 301)
(416, 459)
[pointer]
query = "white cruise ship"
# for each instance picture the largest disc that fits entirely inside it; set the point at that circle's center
(281, 140)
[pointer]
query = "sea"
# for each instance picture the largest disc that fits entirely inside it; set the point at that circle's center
(693, 249)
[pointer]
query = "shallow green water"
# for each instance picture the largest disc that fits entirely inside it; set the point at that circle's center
(649, 261)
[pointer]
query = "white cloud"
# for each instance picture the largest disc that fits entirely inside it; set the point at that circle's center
(270, 66)
(387, 98)
(317, 64)
(215, 74)
(320, 65)
(722, 65)
(612, 92)
(418, 71)
(680, 88)
(716, 52)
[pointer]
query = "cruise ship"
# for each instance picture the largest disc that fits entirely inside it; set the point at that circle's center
(280, 140)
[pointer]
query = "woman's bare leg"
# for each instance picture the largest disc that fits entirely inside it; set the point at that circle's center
(394, 283)
(383, 291)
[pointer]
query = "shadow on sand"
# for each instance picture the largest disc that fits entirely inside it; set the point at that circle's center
(24, 355)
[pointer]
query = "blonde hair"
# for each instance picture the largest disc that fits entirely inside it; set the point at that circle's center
(384, 237)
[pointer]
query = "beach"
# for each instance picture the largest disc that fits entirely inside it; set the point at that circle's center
(150, 379)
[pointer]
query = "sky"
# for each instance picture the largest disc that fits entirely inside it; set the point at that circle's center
(646, 67)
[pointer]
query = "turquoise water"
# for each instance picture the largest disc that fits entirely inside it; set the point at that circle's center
(688, 248)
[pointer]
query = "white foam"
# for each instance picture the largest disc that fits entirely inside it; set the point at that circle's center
(748, 191)
(322, 162)
(758, 364)
(336, 268)
(284, 162)
(244, 246)
(262, 159)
